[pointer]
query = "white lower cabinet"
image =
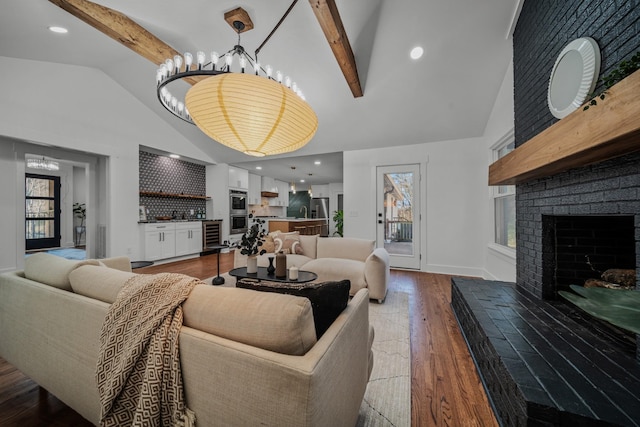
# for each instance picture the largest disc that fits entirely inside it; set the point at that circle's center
(159, 241)
(168, 240)
(188, 238)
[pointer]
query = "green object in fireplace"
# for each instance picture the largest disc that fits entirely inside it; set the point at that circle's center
(619, 307)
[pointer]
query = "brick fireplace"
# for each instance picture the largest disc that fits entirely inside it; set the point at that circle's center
(600, 201)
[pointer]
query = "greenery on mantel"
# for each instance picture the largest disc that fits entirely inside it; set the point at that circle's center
(624, 69)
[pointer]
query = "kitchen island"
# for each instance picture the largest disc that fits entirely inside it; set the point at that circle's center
(303, 225)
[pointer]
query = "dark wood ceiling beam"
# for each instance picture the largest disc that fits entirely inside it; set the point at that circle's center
(328, 16)
(122, 29)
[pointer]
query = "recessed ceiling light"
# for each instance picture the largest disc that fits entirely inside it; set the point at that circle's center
(416, 52)
(174, 156)
(302, 180)
(59, 30)
(259, 168)
(317, 162)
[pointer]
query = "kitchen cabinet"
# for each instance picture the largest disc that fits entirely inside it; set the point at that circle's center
(159, 241)
(238, 178)
(283, 193)
(320, 190)
(282, 188)
(255, 187)
(188, 238)
(269, 184)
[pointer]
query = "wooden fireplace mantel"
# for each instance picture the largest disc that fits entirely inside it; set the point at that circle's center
(605, 131)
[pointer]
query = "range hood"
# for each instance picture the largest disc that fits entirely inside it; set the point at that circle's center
(268, 194)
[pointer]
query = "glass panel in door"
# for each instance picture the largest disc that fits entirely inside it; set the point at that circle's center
(399, 213)
(42, 211)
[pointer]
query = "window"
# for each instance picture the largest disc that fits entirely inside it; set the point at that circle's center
(504, 198)
(42, 211)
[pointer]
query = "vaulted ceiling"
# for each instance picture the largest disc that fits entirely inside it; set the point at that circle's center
(445, 95)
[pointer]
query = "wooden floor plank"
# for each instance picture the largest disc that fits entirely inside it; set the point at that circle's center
(445, 387)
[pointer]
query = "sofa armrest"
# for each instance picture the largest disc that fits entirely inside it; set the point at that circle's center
(376, 273)
(122, 263)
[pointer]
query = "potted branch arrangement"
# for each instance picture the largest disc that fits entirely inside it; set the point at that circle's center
(251, 244)
(80, 212)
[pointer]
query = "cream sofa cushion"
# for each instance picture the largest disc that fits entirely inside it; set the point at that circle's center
(101, 283)
(122, 263)
(345, 248)
(333, 269)
(309, 245)
(52, 270)
(275, 322)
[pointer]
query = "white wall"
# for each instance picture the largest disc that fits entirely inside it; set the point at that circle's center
(78, 108)
(12, 172)
(451, 189)
(457, 210)
(500, 263)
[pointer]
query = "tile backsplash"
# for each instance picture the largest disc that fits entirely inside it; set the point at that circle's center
(171, 176)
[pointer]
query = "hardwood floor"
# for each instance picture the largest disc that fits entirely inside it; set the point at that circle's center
(445, 387)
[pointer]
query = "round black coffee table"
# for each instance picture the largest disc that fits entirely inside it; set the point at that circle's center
(140, 264)
(262, 274)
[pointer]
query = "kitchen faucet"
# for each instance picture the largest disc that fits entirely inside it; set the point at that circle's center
(305, 211)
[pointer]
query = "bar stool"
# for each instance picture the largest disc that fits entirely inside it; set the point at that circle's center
(300, 229)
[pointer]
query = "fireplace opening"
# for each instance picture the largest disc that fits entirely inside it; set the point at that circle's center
(592, 250)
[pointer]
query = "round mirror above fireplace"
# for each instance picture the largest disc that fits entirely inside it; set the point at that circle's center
(574, 76)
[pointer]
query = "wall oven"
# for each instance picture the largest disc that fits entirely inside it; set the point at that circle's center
(239, 224)
(238, 202)
(239, 217)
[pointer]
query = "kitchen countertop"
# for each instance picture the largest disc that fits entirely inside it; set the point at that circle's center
(153, 221)
(299, 219)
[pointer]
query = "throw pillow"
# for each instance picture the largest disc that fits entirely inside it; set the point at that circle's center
(269, 245)
(292, 246)
(328, 299)
(289, 244)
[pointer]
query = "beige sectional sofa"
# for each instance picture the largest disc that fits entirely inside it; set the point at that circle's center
(247, 357)
(337, 258)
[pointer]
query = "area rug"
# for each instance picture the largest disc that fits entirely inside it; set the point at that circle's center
(69, 253)
(387, 401)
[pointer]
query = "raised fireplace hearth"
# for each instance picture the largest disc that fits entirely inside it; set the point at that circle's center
(539, 366)
(544, 361)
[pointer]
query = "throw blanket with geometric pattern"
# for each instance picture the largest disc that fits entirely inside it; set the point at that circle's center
(138, 373)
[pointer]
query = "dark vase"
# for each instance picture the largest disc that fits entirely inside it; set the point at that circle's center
(271, 269)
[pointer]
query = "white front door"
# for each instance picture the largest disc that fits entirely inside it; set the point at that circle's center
(398, 214)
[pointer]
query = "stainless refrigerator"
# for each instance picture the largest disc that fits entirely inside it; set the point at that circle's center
(320, 210)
